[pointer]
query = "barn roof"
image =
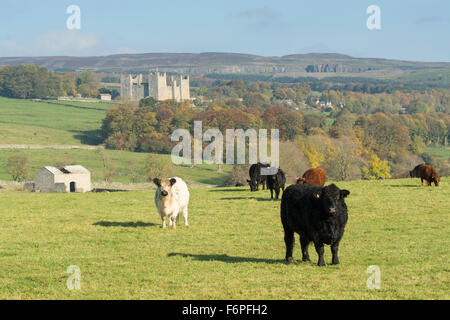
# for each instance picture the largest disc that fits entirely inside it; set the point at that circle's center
(76, 169)
(53, 170)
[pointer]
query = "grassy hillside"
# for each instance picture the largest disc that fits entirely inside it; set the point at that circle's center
(32, 123)
(233, 248)
(442, 153)
(121, 162)
(27, 122)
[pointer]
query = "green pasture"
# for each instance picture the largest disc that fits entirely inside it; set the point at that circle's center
(233, 248)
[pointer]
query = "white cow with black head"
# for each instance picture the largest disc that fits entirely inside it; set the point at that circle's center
(171, 198)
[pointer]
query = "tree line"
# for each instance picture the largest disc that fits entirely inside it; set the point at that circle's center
(263, 94)
(33, 82)
(397, 140)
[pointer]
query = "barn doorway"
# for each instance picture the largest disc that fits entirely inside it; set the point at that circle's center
(72, 187)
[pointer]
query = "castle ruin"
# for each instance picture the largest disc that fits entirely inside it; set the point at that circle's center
(158, 86)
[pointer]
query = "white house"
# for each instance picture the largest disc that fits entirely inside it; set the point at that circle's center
(105, 97)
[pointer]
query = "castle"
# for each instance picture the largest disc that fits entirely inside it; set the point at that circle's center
(158, 86)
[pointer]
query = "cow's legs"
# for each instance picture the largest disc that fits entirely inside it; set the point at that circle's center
(163, 218)
(185, 216)
(334, 252)
(173, 218)
(320, 251)
(271, 193)
(304, 242)
(277, 193)
(421, 181)
(289, 241)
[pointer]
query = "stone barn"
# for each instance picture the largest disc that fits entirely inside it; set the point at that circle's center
(65, 180)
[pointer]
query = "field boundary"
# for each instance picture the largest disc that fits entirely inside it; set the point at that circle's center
(61, 147)
(70, 105)
(106, 185)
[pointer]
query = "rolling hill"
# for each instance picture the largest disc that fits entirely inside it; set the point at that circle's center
(297, 65)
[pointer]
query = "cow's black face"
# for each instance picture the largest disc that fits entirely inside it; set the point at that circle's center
(253, 185)
(164, 185)
(329, 198)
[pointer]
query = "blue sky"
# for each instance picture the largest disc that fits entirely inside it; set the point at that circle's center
(410, 29)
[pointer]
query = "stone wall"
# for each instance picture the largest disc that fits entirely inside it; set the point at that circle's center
(44, 181)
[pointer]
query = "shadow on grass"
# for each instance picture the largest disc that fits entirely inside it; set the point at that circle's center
(224, 258)
(249, 198)
(404, 185)
(138, 224)
(228, 190)
(100, 190)
(90, 137)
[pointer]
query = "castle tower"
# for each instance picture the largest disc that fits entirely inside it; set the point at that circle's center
(131, 87)
(125, 85)
(153, 86)
(157, 86)
(176, 88)
(185, 93)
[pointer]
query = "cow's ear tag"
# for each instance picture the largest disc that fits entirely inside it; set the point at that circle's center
(317, 196)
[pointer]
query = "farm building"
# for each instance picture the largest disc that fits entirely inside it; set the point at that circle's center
(105, 97)
(68, 179)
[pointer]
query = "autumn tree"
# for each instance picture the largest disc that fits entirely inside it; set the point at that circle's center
(158, 167)
(109, 169)
(376, 168)
(18, 166)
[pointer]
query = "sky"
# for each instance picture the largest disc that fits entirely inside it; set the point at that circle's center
(415, 30)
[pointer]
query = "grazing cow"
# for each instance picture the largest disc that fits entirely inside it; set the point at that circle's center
(415, 172)
(255, 176)
(171, 198)
(318, 215)
(315, 177)
(276, 182)
(429, 174)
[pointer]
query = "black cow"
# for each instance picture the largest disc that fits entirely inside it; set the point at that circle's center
(276, 182)
(318, 215)
(255, 176)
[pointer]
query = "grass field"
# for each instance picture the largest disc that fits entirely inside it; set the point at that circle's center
(233, 248)
(27, 122)
(441, 153)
